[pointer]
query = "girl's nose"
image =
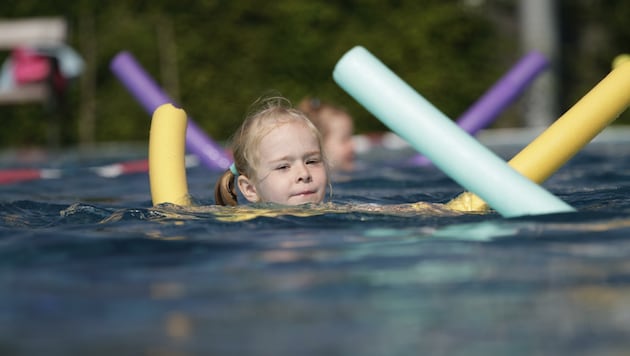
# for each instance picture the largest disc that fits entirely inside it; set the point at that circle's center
(303, 174)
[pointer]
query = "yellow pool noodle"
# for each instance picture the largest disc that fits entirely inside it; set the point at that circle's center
(567, 135)
(620, 59)
(167, 149)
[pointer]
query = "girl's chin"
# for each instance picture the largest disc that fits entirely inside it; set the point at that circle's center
(299, 200)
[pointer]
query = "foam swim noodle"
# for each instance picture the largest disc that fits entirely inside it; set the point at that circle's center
(167, 168)
(490, 105)
(567, 135)
(150, 96)
(429, 131)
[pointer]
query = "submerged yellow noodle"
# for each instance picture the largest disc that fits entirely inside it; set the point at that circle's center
(250, 212)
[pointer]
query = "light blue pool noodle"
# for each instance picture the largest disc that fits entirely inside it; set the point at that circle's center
(432, 133)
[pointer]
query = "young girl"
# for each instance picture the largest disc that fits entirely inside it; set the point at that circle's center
(278, 158)
(336, 127)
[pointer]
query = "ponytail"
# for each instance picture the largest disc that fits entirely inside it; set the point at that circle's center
(224, 189)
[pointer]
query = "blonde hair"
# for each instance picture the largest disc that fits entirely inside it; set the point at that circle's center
(268, 114)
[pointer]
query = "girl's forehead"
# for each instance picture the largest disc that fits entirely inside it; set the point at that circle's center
(289, 139)
(271, 123)
(285, 124)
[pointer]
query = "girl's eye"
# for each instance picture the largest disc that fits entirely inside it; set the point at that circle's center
(313, 160)
(282, 167)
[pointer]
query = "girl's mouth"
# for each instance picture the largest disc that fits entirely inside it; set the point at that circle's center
(304, 193)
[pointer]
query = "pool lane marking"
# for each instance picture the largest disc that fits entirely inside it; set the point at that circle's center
(567, 135)
(130, 167)
(150, 96)
(113, 170)
(26, 174)
(167, 166)
(430, 132)
(488, 107)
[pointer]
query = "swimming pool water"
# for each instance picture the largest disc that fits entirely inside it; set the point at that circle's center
(87, 266)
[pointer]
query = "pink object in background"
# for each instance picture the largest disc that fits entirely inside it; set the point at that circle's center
(29, 66)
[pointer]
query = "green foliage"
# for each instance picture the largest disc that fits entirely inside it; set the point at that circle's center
(229, 53)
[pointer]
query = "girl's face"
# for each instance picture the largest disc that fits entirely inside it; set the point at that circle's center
(291, 170)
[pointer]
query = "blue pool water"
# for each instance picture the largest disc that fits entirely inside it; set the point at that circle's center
(88, 267)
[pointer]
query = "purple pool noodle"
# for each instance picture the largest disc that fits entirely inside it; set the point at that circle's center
(151, 96)
(487, 108)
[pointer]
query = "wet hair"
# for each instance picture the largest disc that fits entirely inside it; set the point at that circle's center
(267, 114)
(320, 113)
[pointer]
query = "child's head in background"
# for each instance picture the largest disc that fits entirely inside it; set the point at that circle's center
(278, 158)
(336, 127)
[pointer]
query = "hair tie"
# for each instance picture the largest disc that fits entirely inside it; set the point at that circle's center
(233, 169)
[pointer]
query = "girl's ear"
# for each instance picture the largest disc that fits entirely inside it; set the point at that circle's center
(248, 189)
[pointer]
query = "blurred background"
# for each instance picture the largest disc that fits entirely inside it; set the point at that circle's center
(216, 57)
